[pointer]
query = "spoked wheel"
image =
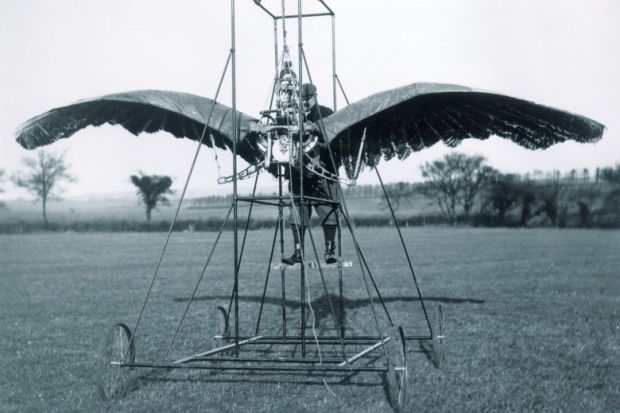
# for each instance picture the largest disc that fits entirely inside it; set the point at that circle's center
(397, 374)
(438, 338)
(116, 348)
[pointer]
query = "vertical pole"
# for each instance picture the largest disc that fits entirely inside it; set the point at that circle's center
(301, 179)
(334, 61)
(340, 282)
(281, 223)
(234, 126)
(275, 42)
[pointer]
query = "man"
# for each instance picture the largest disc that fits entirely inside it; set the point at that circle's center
(314, 186)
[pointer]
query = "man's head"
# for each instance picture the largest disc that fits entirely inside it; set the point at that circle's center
(308, 96)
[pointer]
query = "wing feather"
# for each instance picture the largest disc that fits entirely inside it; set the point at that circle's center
(410, 118)
(181, 114)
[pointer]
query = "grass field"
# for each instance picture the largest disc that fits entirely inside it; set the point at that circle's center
(532, 321)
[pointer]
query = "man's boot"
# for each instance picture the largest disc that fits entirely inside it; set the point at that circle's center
(298, 233)
(329, 231)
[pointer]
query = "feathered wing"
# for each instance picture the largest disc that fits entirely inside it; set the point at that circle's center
(410, 118)
(181, 114)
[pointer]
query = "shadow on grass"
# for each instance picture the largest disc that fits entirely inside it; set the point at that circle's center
(351, 303)
(429, 353)
(321, 305)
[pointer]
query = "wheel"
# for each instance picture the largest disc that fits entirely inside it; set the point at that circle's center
(221, 318)
(397, 375)
(116, 348)
(438, 338)
(219, 326)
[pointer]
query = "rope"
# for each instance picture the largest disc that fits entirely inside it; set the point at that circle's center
(303, 262)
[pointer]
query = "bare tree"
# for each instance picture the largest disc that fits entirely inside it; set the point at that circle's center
(42, 175)
(456, 181)
(152, 190)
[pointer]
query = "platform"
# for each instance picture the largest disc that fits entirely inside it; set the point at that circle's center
(313, 265)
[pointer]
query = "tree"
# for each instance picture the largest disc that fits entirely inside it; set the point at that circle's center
(399, 193)
(548, 193)
(152, 190)
(456, 180)
(502, 194)
(42, 176)
(611, 201)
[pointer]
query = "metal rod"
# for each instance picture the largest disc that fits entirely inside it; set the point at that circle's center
(258, 3)
(361, 260)
(306, 360)
(334, 94)
(300, 48)
(235, 290)
(402, 241)
(265, 9)
(204, 271)
(346, 213)
(235, 137)
(262, 301)
(364, 352)
(246, 367)
(372, 279)
(236, 344)
(340, 280)
(276, 68)
(342, 90)
(176, 214)
(281, 224)
(292, 16)
(284, 42)
(333, 340)
(247, 223)
(349, 224)
(327, 7)
(300, 153)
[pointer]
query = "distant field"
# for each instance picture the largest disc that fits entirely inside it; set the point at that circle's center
(532, 320)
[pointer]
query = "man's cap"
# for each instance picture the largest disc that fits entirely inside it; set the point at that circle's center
(307, 90)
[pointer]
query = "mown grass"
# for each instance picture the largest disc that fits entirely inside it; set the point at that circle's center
(532, 320)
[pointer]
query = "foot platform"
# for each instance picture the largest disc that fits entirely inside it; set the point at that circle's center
(313, 265)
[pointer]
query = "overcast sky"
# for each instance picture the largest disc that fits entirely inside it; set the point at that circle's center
(559, 53)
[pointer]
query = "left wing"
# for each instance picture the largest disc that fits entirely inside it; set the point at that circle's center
(181, 114)
(400, 121)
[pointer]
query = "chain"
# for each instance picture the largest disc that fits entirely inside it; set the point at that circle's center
(244, 174)
(316, 168)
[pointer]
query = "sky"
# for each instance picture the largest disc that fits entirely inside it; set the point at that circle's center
(561, 53)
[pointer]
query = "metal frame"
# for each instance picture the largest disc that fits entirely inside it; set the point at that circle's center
(360, 347)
